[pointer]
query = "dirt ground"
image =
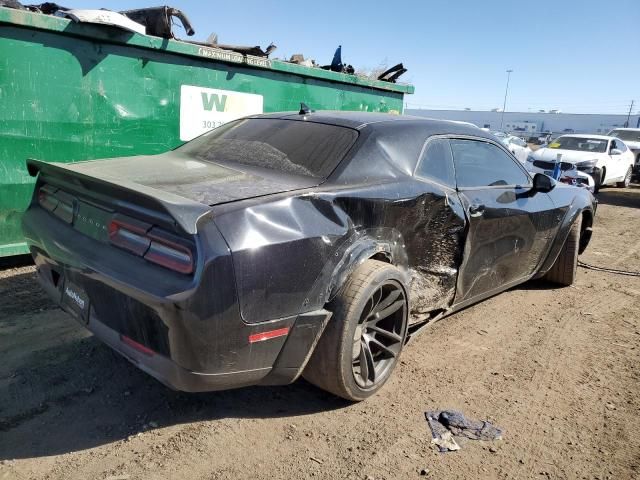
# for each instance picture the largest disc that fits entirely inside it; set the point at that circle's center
(557, 369)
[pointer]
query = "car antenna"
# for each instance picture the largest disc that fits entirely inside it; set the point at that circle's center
(304, 109)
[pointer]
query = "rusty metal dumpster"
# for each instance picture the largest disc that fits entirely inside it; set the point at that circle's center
(75, 91)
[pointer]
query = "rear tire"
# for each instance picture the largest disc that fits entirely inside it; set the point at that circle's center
(362, 343)
(627, 179)
(564, 269)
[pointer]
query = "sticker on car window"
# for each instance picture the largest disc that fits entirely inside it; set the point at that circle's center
(554, 145)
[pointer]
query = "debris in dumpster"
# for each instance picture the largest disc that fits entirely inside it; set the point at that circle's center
(447, 424)
(256, 51)
(11, 4)
(299, 59)
(105, 17)
(392, 74)
(337, 65)
(48, 8)
(158, 20)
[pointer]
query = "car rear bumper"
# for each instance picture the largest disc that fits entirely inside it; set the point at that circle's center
(276, 361)
(189, 334)
(171, 374)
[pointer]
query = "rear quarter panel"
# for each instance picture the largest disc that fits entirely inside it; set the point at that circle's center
(292, 253)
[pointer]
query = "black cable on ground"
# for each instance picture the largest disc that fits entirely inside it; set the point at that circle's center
(608, 270)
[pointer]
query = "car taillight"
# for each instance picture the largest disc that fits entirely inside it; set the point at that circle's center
(171, 255)
(130, 235)
(151, 243)
(59, 203)
(47, 198)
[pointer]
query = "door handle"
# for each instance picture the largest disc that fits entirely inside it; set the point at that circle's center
(476, 210)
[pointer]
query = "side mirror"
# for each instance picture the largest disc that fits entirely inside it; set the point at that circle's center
(615, 151)
(542, 183)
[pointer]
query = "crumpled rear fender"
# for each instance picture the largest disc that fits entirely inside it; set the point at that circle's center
(385, 244)
(293, 252)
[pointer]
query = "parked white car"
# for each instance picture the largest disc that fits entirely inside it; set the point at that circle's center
(516, 145)
(607, 159)
(631, 138)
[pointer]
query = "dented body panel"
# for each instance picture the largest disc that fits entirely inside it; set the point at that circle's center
(274, 259)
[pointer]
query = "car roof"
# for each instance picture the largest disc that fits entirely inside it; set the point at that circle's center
(359, 120)
(625, 129)
(584, 135)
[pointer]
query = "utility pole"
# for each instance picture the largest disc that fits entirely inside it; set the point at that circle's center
(504, 104)
(626, 124)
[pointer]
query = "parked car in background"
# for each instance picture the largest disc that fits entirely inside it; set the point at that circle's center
(517, 146)
(547, 138)
(567, 173)
(631, 138)
(607, 159)
(289, 244)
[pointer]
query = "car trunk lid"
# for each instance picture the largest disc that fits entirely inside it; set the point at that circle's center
(205, 182)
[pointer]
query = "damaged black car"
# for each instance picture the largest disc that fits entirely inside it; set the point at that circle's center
(286, 245)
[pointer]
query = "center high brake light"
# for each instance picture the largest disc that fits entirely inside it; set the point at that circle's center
(151, 243)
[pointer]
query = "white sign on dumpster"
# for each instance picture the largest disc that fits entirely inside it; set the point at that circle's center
(202, 109)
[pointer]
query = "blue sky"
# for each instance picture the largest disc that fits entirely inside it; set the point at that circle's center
(577, 56)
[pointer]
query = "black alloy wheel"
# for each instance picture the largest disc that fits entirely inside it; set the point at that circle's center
(379, 336)
(363, 340)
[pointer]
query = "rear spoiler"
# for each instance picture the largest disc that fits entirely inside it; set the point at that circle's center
(179, 210)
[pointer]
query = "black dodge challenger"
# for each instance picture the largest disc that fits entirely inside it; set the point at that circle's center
(288, 244)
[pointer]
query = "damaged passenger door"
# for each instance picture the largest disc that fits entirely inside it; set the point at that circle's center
(438, 224)
(508, 223)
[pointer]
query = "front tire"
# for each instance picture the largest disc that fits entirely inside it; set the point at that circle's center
(597, 180)
(627, 179)
(362, 343)
(564, 269)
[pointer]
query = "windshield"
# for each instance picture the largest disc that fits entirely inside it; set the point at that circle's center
(580, 144)
(630, 135)
(290, 146)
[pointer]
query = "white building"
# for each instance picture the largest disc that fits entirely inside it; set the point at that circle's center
(533, 122)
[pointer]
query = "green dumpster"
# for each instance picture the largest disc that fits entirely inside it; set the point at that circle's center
(76, 91)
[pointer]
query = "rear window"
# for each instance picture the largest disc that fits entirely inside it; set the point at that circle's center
(290, 146)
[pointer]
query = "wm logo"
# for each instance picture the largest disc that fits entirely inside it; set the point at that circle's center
(213, 100)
